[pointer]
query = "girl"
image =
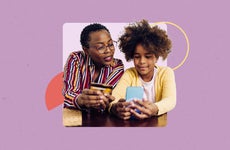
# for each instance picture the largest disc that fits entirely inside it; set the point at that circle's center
(144, 45)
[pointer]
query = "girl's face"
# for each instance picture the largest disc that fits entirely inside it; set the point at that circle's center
(101, 48)
(144, 62)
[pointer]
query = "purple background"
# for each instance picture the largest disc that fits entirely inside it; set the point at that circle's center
(31, 54)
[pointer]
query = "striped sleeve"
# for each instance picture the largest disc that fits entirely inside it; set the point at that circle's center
(71, 88)
(115, 75)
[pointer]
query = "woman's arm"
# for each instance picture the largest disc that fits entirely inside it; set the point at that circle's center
(71, 88)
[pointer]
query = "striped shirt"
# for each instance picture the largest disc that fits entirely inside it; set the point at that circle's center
(78, 74)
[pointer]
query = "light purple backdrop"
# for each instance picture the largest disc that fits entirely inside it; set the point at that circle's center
(31, 54)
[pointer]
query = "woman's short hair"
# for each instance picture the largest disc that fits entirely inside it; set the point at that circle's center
(85, 38)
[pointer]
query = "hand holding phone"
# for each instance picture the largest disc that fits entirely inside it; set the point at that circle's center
(134, 92)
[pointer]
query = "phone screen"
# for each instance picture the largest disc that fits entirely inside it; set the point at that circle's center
(134, 92)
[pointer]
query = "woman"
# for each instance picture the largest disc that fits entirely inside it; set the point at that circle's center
(96, 63)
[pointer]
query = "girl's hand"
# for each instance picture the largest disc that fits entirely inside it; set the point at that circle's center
(147, 109)
(121, 109)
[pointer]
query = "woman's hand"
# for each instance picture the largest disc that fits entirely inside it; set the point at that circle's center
(94, 99)
(147, 109)
(121, 109)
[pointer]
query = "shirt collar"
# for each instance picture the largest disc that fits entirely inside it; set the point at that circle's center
(90, 61)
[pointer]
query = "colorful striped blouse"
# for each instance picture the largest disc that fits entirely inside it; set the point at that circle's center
(78, 74)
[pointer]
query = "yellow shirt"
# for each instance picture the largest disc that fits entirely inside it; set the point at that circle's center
(165, 88)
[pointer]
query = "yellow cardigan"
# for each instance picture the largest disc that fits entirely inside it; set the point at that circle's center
(165, 88)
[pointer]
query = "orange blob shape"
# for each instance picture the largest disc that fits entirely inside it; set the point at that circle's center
(54, 95)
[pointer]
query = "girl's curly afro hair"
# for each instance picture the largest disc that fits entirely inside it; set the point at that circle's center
(152, 39)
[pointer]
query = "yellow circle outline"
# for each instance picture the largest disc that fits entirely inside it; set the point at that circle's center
(186, 37)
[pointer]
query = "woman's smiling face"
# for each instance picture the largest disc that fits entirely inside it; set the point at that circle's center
(98, 40)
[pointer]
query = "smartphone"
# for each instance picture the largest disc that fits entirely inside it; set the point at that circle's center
(134, 92)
